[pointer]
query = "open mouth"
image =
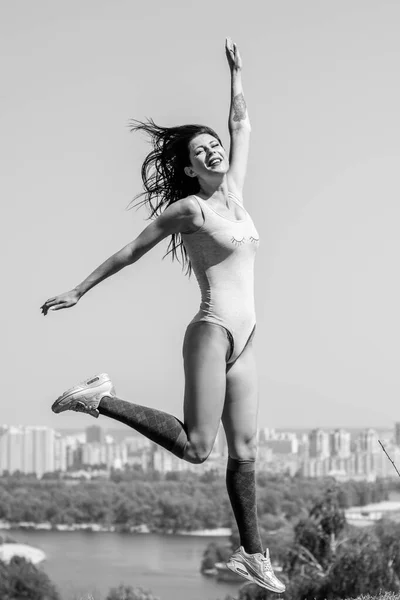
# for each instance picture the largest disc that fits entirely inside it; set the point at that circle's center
(214, 162)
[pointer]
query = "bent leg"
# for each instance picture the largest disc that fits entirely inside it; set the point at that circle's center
(205, 349)
(240, 423)
(158, 426)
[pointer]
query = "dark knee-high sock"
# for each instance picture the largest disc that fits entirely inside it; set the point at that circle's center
(241, 486)
(159, 427)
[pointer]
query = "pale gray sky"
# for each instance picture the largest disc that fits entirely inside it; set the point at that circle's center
(322, 82)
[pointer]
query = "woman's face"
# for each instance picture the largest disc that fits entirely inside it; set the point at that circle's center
(207, 156)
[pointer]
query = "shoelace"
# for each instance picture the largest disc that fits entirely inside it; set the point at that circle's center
(266, 563)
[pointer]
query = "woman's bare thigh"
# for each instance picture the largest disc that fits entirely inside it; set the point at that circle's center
(240, 411)
(205, 349)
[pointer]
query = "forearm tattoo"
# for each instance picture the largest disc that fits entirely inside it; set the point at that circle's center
(239, 108)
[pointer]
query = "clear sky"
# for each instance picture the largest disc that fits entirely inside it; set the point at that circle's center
(322, 83)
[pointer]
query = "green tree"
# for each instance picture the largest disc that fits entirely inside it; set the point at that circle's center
(317, 536)
(214, 553)
(291, 508)
(268, 522)
(269, 502)
(127, 592)
(360, 567)
(21, 579)
(388, 534)
(252, 591)
(316, 539)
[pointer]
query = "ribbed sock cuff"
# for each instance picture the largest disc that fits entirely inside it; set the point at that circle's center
(241, 466)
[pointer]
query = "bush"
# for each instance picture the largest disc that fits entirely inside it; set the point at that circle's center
(127, 592)
(21, 579)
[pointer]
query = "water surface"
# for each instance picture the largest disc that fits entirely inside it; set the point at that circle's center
(83, 563)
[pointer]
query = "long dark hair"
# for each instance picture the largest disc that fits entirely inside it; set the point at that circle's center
(163, 175)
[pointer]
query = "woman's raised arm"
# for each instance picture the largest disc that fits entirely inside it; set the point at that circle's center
(239, 122)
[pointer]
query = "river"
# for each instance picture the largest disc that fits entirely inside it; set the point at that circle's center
(83, 563)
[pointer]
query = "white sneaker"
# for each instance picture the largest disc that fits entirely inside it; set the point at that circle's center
(85, 397)
(256, 568)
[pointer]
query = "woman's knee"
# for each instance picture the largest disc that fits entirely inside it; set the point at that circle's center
(244, 448)
(198, 449)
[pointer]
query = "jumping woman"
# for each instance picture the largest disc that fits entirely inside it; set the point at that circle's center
(195, 196)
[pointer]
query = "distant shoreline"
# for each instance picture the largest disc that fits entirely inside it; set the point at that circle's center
(96, 528)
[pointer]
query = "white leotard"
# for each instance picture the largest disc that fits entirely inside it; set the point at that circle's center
(222, 253)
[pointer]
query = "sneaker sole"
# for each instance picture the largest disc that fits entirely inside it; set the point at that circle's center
(62, 404)
(270, 588)
(254, 578)
(238, 568)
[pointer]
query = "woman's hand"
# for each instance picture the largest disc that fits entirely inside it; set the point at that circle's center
(233, 56)
(65, 300)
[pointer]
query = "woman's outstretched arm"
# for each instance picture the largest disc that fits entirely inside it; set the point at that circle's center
(177, 218)
(239, 122)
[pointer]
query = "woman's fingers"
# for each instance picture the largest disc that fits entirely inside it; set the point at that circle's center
(60, 306)
(228, 46)
(49, 304)
(232, 53)
(52, 301)
(58, 302)
(54, 307)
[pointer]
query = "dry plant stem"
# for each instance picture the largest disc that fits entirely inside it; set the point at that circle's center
(383, 448)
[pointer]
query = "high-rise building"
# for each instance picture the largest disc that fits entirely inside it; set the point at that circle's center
(93, 454)
(364, 464)
(109, 454)
(3, 449)
(27, 449)
(43, 440)
(340, 443)
(315, 467)
(60, 453)
(136, 442)
(368, 441)
(383, 466)
(283, 445)
(164, 462)
(266, 433)
(319, 443)
(94, 433)
(116, 455)
(15, 444)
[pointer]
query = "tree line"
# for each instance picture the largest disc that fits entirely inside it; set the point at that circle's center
(301, 520)
(176, 502)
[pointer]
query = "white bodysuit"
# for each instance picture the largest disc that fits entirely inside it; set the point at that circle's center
(222, 253)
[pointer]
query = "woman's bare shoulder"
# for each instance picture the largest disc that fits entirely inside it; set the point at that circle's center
(189, 205)
(190, 209)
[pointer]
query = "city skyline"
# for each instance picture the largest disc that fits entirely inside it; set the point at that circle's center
(338, 453)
